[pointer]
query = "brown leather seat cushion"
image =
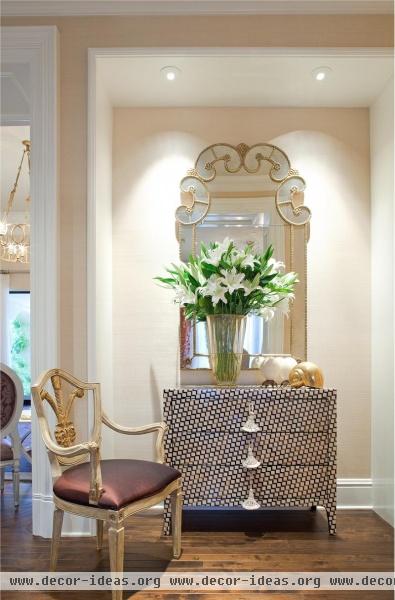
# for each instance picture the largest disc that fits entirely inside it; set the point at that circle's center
(124, 481)
(6, 451)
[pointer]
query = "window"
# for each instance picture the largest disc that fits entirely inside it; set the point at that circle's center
(18, 326)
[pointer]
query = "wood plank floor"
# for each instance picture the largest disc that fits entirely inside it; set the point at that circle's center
(268, 541)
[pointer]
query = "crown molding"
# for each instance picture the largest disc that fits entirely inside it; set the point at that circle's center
(62, 8)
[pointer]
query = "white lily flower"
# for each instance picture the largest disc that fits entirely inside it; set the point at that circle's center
(215, 255)
(232, 280)
(211, 285)
(225, 244)
(274, 298)
(184, 295)
(267, 313)
(249, 287)
(214, 289)
(248, 261)
(283, 305)
(276, 265)
(219, 294)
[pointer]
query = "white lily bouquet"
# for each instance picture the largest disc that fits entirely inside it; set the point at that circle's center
(224, 280)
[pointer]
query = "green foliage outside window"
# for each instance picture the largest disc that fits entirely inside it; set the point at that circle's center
(20, 349)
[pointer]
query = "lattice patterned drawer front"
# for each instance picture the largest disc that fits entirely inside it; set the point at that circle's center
(290, 482)
(213, 481)
(300, 449)
(216, 447)
(233, 481)
(226, 409)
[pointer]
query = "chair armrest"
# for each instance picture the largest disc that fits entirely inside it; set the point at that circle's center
(70, 451)
(93, 448)
(161, 428)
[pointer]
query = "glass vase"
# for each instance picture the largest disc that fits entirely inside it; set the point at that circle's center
(225, 334)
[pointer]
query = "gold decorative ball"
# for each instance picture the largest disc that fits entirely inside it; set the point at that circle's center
(306, 374)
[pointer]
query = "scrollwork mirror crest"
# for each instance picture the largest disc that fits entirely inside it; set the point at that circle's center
(247, 191)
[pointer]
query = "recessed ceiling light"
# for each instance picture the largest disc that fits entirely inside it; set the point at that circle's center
(321, 73)
(170, 73)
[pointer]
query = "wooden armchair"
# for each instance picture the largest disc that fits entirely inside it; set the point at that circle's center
(11, 406)
(106, 490)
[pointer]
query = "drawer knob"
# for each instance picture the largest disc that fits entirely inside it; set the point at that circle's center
(250, 462)
(250, 426)
(250, 503)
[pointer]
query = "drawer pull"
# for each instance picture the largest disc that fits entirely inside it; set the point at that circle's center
(250, 426)
(250, 503)
(250, 462)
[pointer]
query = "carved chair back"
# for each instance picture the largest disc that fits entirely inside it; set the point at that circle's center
(61, 390)
(11, 403)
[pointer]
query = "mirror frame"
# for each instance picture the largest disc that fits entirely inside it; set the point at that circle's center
(289, 203)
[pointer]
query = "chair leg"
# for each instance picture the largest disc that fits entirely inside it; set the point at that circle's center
(15, 482)
(56, 534)
(99, 534)
(2, 480)
(116, 541)
(176, 521)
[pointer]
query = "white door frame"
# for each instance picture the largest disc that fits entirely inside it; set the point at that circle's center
(37, 48)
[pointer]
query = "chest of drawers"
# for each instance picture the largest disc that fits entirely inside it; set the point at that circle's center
(295, 446)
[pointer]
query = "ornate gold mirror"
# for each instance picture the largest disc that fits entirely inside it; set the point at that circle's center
(247, 193)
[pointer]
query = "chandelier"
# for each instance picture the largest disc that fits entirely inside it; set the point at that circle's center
(15, 237)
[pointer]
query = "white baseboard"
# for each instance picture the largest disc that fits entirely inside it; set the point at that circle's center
(351, 494)
(355, 493)
(42, 509)
(73, 526)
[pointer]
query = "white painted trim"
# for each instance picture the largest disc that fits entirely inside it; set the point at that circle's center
(299, 52)
(91, 236)
(91, 218)
(43, 507)
(351, 493)
(355, 493)
(9, 120)
(19, 8)
(72, 526)
(37, 47)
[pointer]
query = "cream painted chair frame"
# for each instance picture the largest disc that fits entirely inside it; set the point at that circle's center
(11, 431)
(62, 456)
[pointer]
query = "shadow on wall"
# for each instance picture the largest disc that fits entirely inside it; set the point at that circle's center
(156, 402)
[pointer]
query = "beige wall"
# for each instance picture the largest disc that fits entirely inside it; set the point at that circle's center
(77, 34)
(152, 148)
(382, 153)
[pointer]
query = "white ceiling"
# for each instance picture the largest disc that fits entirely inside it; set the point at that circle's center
(179, 7)
(11, 149)
(266, 80)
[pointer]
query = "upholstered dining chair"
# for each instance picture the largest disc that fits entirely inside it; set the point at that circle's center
(109, 491)
(11, 407)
